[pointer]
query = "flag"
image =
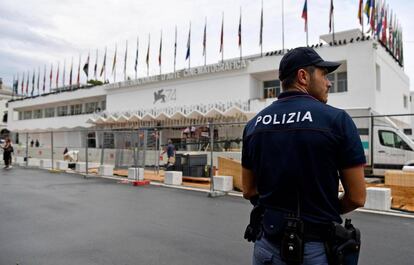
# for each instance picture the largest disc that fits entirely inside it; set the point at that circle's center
(114, 62)
(380, 17)
(38, 80)
(205, 38)
(160, 52)
(125, 59)
(360, 16)
(64, 73)
(44, 80)
(384, 28)
(175, 47)
(86, 67)
(78, 78)
(372, 16)
(33, 82)
(261, 27)
(331, 13)
(222, 35)
(17, 84)
(367, 9)
(148, 51)
(103, 64)
(23, 83)
(390, 32)
(27, 83)
(305, 14)
(240, 30)
(187, 56)
(95, 68)
(50, 76)
(70, 73)
(136, 57)
(57, 76)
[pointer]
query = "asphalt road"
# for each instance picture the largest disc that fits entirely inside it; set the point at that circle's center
(64, 219)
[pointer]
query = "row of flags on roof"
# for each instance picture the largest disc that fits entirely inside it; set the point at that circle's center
(382, 24)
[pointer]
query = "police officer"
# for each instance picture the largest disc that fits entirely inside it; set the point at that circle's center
(294, 153)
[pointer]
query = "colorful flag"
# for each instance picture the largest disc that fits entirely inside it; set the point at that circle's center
(372, 16)
(305, 14)
(86, 67)
(240, 30)
(380, 17)
(205, 38)
(136, 58)
(57, 76)
(114, 62)
(95, 68)
(331, 17)
(50, 76)
(187, 56)
(360, 16)
(103, 64)
(160, 52)
(367, 9)
(390, 32)
(384, 28)
(64, 73)
(222, 35)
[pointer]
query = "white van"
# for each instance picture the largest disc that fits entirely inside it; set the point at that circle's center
(392, 149)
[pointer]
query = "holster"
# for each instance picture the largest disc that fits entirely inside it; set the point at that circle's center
(344, 246)
(254, 229)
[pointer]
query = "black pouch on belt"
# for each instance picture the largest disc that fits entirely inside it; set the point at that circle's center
(344, 247)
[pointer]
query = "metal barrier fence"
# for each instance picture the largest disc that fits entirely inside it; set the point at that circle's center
(201, 149)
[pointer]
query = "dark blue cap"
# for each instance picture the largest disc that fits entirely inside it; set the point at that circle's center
(301, 57)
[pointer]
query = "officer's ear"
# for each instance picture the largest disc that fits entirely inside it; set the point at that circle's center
(303, 77)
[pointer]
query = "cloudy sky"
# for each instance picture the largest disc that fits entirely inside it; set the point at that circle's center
(44, 32)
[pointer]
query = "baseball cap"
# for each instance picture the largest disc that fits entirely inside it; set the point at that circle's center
(302, 57)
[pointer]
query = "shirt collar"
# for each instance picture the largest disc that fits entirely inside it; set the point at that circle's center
(292, 93)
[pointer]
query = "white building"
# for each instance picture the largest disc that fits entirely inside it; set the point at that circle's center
(5, 96)
(235, 90)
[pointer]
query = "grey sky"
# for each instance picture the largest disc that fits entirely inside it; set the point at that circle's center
(35, 33)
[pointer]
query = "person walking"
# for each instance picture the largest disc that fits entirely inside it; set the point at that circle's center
(7, 153)
(294, 153)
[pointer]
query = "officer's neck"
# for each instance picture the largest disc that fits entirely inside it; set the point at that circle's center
(298, 88)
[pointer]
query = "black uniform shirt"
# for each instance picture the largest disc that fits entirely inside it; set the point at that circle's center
(296, 146)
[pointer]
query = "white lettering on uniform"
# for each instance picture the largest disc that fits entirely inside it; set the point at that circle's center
(307, 116)
(292, 117)
(269, 119)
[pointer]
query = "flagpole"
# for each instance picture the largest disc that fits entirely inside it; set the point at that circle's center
(189, 41)
(160, 55)
(125, 60)
(105, 65)
(261, 32)
(149, 41)
(205, 43)
(222, 40)
(307, 25)
(38, 80)
(283, 26)
(241, 34)
(95, 69)
(136, 59)
(175, 48)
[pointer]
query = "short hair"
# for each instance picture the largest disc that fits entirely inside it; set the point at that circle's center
(291, 79)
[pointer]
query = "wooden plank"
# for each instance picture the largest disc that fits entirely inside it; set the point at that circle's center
(231, 167)
(399, 178)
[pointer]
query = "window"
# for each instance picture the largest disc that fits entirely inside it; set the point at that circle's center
(271, 89)
(91, 107)
(27, 115)
(108, 140)
(405, 101)
(49, 112)
(103, 105)
(342, 81)
(391, 139)
(38, 114)
(62, 111)
(339, 82)
(20, 115)
(331, 78)
(408, 131)
(76, 109)
(91, 140)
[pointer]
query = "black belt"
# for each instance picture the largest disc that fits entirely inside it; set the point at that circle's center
(312, 232)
